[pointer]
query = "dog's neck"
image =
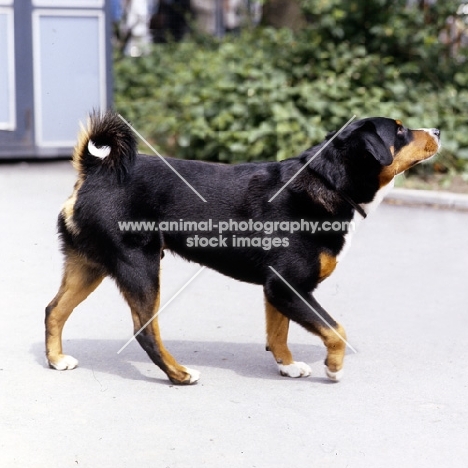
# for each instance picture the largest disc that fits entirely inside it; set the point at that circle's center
(358, 208)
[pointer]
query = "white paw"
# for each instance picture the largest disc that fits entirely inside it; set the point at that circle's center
(296, 369)
(64, 362)
(194, 374)
(335, 376)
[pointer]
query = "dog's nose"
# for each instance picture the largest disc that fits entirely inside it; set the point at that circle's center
(435, 132)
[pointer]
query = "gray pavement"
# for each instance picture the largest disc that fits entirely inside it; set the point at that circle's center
(428, 198)
(401, 293)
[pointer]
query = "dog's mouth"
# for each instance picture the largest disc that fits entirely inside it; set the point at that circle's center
(422, 160)
(416, 162)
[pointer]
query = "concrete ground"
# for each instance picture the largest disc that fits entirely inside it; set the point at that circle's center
(401, 293)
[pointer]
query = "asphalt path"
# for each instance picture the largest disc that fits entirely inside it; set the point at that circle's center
(401, 293)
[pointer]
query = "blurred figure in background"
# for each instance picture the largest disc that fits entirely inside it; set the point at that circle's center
(172, 19)
(137, 23)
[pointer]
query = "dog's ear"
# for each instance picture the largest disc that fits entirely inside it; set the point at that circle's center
(375, 145)
(367, 134)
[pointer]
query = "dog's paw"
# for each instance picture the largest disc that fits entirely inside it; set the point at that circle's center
(184, 376)
(334, 375)
(63, 362)
(296, 369)
(194, 375)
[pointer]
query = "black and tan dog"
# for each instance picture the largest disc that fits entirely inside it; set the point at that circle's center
(115, 184)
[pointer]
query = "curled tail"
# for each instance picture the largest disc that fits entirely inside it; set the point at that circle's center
(107, 143)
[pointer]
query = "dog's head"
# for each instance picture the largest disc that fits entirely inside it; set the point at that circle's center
(395, 147)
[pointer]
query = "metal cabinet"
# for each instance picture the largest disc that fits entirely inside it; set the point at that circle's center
(55, 66)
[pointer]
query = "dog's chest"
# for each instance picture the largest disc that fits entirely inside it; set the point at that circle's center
(357, 218)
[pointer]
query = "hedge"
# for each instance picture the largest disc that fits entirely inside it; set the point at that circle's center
(269, 94)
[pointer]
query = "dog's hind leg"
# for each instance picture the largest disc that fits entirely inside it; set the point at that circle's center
(79, 280)
(313, 317)
(277, 327)
(144, 299)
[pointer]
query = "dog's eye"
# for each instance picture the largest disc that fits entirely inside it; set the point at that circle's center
(400, 130)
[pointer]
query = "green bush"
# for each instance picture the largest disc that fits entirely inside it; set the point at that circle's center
(269, 94)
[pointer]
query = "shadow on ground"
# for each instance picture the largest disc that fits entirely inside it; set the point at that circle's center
(246, 359)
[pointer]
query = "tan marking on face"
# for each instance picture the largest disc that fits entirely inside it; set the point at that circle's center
(398, 122)
(423, 146)
(327, 265)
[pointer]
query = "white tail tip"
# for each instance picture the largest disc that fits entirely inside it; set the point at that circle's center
(101, 152)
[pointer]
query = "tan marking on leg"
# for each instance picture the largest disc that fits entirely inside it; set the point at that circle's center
(177, 373)
(334, 340)
(327, 265)
(79, 280)
(277, 327)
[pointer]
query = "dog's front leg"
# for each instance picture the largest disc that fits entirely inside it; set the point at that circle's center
(277, 327)
(333, 336)
(301, 307)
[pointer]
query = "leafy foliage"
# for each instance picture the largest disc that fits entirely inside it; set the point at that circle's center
(268, 94)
